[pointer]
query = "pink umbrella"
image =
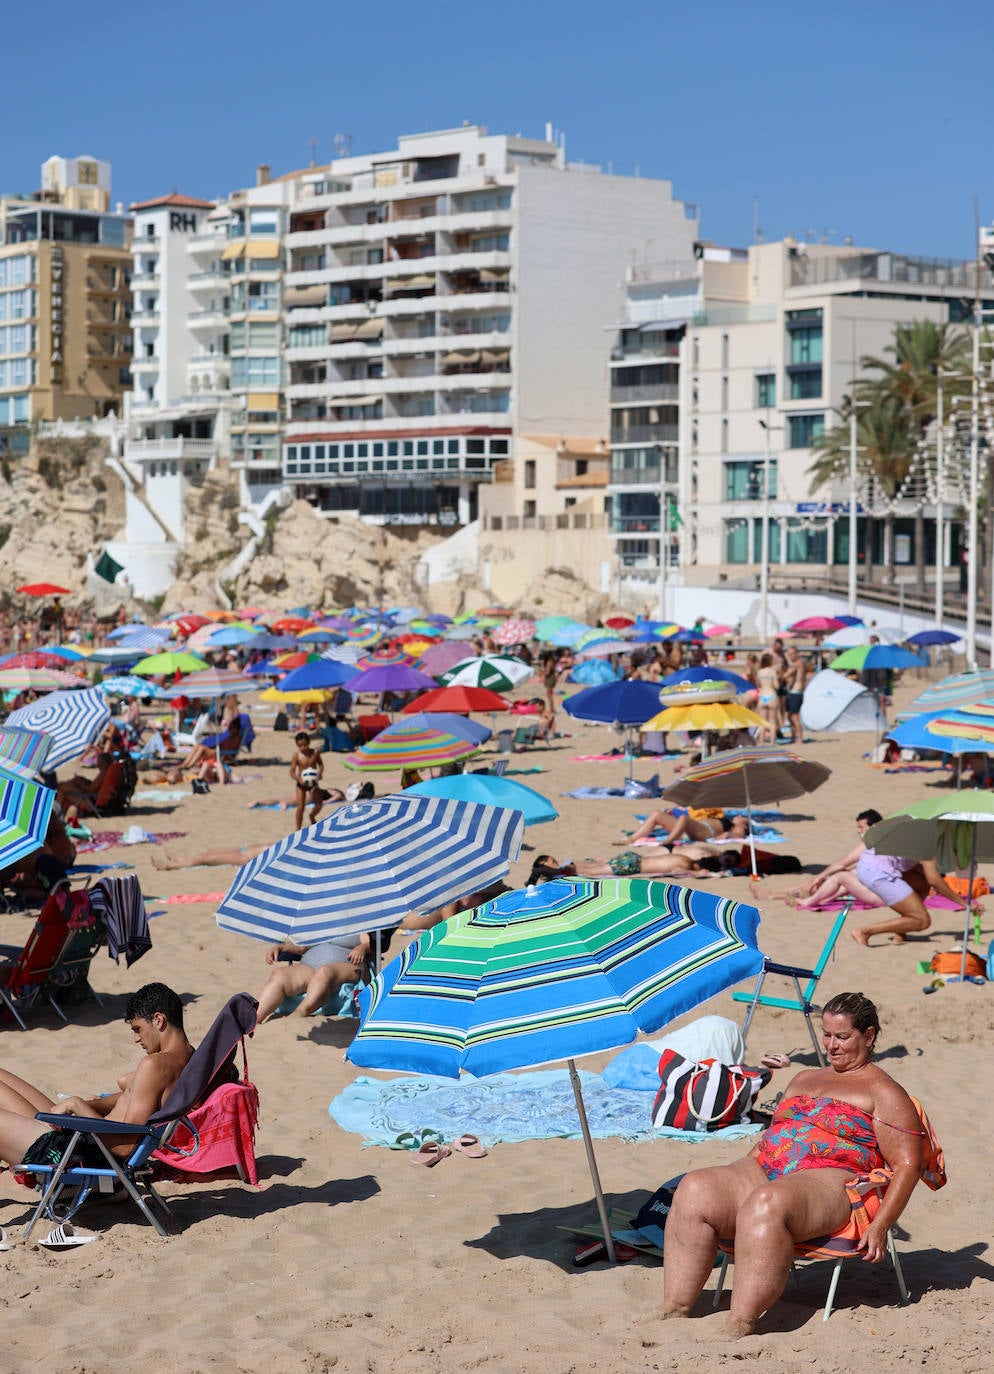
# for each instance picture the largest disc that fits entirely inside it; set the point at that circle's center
(716, 630)
(817, 625)
(514, 632)
(441, 657)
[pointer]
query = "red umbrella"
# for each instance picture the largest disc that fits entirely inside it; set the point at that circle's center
(43, 589)
(185, 624)
(291, 625)
(296, 659)
(619, 622)
(35, 658)
(458, 701)
(817, 625)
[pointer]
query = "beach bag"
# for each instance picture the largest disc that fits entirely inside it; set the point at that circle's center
(950, 961)
(657, 1209)
(705, 1096)
(281, 722)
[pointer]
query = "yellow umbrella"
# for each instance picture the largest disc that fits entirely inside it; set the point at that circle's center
(299, 698)
(704, 715)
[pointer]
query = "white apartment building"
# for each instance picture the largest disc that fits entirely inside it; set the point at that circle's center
(762, 345)
(445, 300)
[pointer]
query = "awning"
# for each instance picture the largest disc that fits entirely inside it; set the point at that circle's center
(355, 400)
(369, 329)
(495, 355)
(657, 326)
(233, 250)
(460, 359)
(410, 283)
(494, 273)
(305, 295)
(263, 400)
(262, 248)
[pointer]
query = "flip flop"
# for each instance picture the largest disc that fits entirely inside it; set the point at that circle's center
(407, 1140)
(430, 1154)
(5, 1244)
(469, 1145)
(64, 1238)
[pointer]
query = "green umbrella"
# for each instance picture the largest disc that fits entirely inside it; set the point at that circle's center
(954, 831)
(867, 656)
(168, 663)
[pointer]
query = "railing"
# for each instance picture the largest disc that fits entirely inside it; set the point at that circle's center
(635, 524)
(647, 475)
(632, 351)
(645, 434)
(649, 391)
(572, 520)
(171, 448)
(881, 267)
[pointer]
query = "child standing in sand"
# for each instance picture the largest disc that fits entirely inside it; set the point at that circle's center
(307, 770)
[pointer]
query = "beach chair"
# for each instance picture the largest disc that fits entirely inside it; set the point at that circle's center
(802, 1000)
(69, 977)
(369, 726)
(866, 1193)
(22, 980)
(524, 736)
(69, 1183)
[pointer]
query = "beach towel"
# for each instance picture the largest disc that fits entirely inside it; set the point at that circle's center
(108, 839)
(184, 898)
(95, 868)
(120, 904)
(225, 1125)
(159, 794)
(271, 806)
(502, 1107)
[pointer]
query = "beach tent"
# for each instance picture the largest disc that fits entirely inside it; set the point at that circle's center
(834, 702)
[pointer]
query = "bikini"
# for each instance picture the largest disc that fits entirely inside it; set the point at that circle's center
(818, 1133)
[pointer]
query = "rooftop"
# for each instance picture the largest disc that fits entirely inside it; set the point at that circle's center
(174, 198)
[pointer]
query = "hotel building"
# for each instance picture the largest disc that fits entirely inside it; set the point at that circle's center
(65, 297)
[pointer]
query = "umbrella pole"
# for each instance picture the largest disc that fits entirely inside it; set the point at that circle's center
(969, 901)
(752, 840)
(588, 1145)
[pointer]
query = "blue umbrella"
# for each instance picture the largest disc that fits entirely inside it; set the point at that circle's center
(143, 638)
(229, 636)
(137, 627)
(392, 677)
(848, 620)
(267, 640)
(319, 637)
(119, 655)
(626, 702)
(707, 674)
(461, 726)
(265, 668)
(593, 672)
(324, 672)
(129, 686)
(367, 865)
(487, 790)
(915, 734)
(74, 719)
(25, 807)
(688, 637)
(926, 637)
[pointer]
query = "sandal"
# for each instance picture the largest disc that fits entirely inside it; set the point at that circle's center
(5, 1244)
(470, 1145)
(431, 1153)
(64, 1237)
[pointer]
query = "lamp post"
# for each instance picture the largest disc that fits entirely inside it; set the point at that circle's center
(764, 541)
(970, 637)
(853, 524)
(664, 543)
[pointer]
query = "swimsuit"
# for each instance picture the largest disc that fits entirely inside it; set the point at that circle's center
(818, 1133)
(882, 874)
(625, 865)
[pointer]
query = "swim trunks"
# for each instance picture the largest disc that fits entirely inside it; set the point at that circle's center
(795, 700)
(882, 874)
(818, 1133)
(625, 865)
(49, 1148)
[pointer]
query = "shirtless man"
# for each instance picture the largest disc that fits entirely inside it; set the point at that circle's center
(155, 1016)
(307, 760)
(794, 678)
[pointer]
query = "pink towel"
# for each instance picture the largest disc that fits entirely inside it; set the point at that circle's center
(226, 1126)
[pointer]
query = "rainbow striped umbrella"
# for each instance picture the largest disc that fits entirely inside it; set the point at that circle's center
(37, 679)
(25, 807)
(974, 722)
(410, 743)
(553, 972)
(27, 750)
(382, 660)
(952, 693)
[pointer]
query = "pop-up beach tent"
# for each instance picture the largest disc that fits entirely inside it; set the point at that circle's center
(833, 701)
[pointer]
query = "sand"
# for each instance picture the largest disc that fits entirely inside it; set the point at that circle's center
(348, 1258)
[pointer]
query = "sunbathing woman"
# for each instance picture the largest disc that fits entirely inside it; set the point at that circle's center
(630, 865)
(831, 1124)
(690, 827)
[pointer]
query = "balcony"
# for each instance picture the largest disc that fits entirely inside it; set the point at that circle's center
(645, 434)
(145, 365)
(170, 450)
(651, 391)
(147, 281)
(213, 318)
(142, 241)
(214, 279)
(142, 319)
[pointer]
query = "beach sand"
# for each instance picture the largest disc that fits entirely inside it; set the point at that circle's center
(349, 1259)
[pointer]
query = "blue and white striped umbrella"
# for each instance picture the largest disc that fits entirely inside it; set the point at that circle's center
(367, 865)
(149, 641)
(25, 807)
(73, 719)
(129, 686)
(343, 653)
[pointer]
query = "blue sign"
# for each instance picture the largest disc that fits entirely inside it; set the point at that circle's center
(825, 508)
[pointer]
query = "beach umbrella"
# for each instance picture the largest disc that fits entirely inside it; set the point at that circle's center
(555, 972)
(955, 831)
(619, 622)
(290, 625)
(952, 693)
(753, 776)
(688, 637)
(343, 653)
(37, 679)
(69, 653)
(186, 623)
(488, 790)
(34, 658)
(927, 638)
(816, 625)
(706, 673)
(426, 629)
(129, 686)
(24, 750)
(319, 636)
(115, 655)
(603, 648)
(380, 658)
(498, 672)
(849, 619)
(230, 636)
(365, 635)
(142, 640)
(593, 672)
(393, 677)
(72, 719)
(513, 632)
(25, 807)
(43, 589)
(367, 865)
(323, 672)
(295, 659)
(916, 733)
(974, 723)
(463, 727)
(717, 716)
(560, 630)
(853, 636)
(134, 627)
(456, 701)
(169, 662)
(273, 643)
(440, 658)
(650, 631)
(266, 667)
(717, 631)
(629, 702)
(460, 633)
(214, 682)
(411, 743)
(298, 697)
(868, 656)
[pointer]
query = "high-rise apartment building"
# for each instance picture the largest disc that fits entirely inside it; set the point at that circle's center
(65, 299)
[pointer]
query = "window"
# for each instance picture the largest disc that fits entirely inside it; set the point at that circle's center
(263, 334)
(807, 544)
(16, 271)
(239, 333)
(766, 390)
(264, 221)
(724, 436)
(744, 480)
(805, 383)
(529, 510)
(255, 372)
(308, 336)
(736, 541)
(724, 351)
(803, 430)
(805, 344)
(724, 393)
(529, 472)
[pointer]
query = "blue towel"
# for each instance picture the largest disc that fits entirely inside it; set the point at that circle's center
(502, 1107)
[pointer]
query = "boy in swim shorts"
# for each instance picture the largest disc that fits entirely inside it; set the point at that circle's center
(307, 770)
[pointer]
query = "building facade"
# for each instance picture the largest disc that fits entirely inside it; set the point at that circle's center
(65, 300)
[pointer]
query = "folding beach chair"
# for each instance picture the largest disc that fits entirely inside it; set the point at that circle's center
(22, 980)
(801, 1001)
(67, 1185)
(69, 977)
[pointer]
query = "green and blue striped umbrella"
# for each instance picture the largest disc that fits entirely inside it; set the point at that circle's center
(553, 972)
(27, 750)
(25, 807)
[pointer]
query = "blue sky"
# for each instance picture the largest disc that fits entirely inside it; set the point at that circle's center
(870, 120)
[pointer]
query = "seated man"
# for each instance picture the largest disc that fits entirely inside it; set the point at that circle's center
(80, 797)
(155, 1015)
(318, 972)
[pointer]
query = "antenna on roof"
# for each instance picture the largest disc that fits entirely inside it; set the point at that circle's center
(343, 144)
(314, 147)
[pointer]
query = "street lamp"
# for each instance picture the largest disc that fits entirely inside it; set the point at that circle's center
(764, 545)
